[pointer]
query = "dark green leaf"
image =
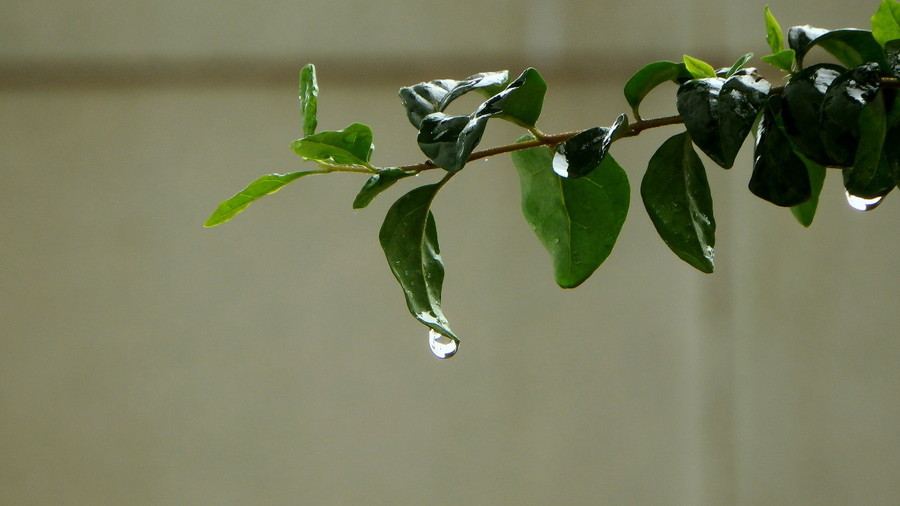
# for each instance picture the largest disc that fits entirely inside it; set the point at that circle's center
(844, 100)
(892, 55)
(886, 22)
(577, 220)
(719, 113)
(850, 46)
(377, 184)
(698, 68)
(802, 109)
(448, 141)
(783, 60)
(651, 76)
(581, 154)
(521, 102)
(270, 183)
(779, 175)
(870, 176)
(350, 146)
(423, 99)
(806, 211)
(677, 198)
(800, 36)
(410, 243)
(309, 99)
(892, 148)
(738, 65)
(774, 37)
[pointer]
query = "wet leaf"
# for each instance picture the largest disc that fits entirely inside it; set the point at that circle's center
(265, 185)
(886, 22)
(698, 68)
(410, 243)
(779, 175)
(774, 36)
(892, 56)
(802, 109)
(677, 198)
(350, 146)
(448, 141)
(738, 65)
(783, 60)
(651, 76)
(800, 36)
(577, 220)
(870, 176)
(423, 99)
(377, 184)
(309, 99)
(850, 46)
(581, 154)
(805, 212)
(521, 102)
(844, 100)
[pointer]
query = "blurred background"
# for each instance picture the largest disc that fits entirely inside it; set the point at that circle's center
(147, 360)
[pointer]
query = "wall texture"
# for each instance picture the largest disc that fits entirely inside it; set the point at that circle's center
(146, 360)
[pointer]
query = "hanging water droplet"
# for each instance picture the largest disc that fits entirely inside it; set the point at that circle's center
(709, 252)
(561, 164)
(441, 345)
(861, 204)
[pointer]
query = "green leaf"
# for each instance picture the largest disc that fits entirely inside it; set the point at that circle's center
(719, 113)
(886, 22)
(892, 55)
(779, 175)
(870, 176)
(677, 198)
(377, 184)
(423, 99)
(802, 109)
(844, 100)
(448, 141)
(738, 65)
(783, 60)
(698, 68)
(581, 154)
(577, 220)
(410, 243)
(521, 102)
(651, 76)
(806, 211)
(309, 99)
(350, 146)
(773, 32)
(265, 185)
(850, 46)
(799, 37)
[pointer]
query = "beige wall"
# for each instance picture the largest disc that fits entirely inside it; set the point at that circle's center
(146, 360)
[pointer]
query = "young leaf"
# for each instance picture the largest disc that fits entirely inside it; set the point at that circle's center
(577, 220)
(521, 102)
(377, 184)
(850, 46)
(677, 198)
(886, 22)
(309, 99)
(581, 154)
(698, 68)
(802, 109)
(738, 65)
(783, 60)
(423, 99)
(844, 100)
(265, 185)
(651, 76)
(773, 32)
(779, 175)
(350, 146)
(448, 141)
(409, 239)
(805, 212)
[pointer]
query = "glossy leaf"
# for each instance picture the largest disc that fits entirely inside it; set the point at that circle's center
(886, 22)
(377, 184)
(738, 65)
(774, 36)
(409, 239)
(309, 99)
(850, 46)
(870, 176)
(698, 68)
(799, 37)
(651, 76)
(350, 146)
(521, 102)
(805, 212)
(577, 220)
(802, 109)
(423, 99)
(676, 195)
(779, 175)
(265, 185)
(448, 141)
(581, 154)
(719, 113)
(892, 56)
(783, 60)
(844, 100)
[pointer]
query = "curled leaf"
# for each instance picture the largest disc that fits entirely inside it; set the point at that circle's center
(802, 109)
(377, 184)
(448, 141)
(779, 175)
(842, 105)
(309, 99)
(423, 99)
(350, 146)
(581, 154)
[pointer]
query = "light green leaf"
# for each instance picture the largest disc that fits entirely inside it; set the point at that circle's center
(806, 211)
(350, 146)
(521, 102)
(268, 184)
(698, 68)
(676, 195)
(738, 65)
(377, 184)
(577, 220)
(649, 77)
(783, 60)
(410, 243)
(309, 99)
(774, 35)
(886, 22)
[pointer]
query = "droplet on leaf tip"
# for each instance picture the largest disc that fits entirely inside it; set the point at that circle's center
(442, 346)
(862, 204)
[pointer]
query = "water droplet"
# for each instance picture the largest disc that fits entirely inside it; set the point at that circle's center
(709, 252)
(561, 164)
(861, 204)
(441, 345)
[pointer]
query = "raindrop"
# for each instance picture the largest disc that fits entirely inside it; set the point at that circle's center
(441, 345)
(861, 204)
(709, 252)
(561, 164)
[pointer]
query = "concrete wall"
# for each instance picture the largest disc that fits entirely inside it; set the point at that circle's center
(146, 360)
